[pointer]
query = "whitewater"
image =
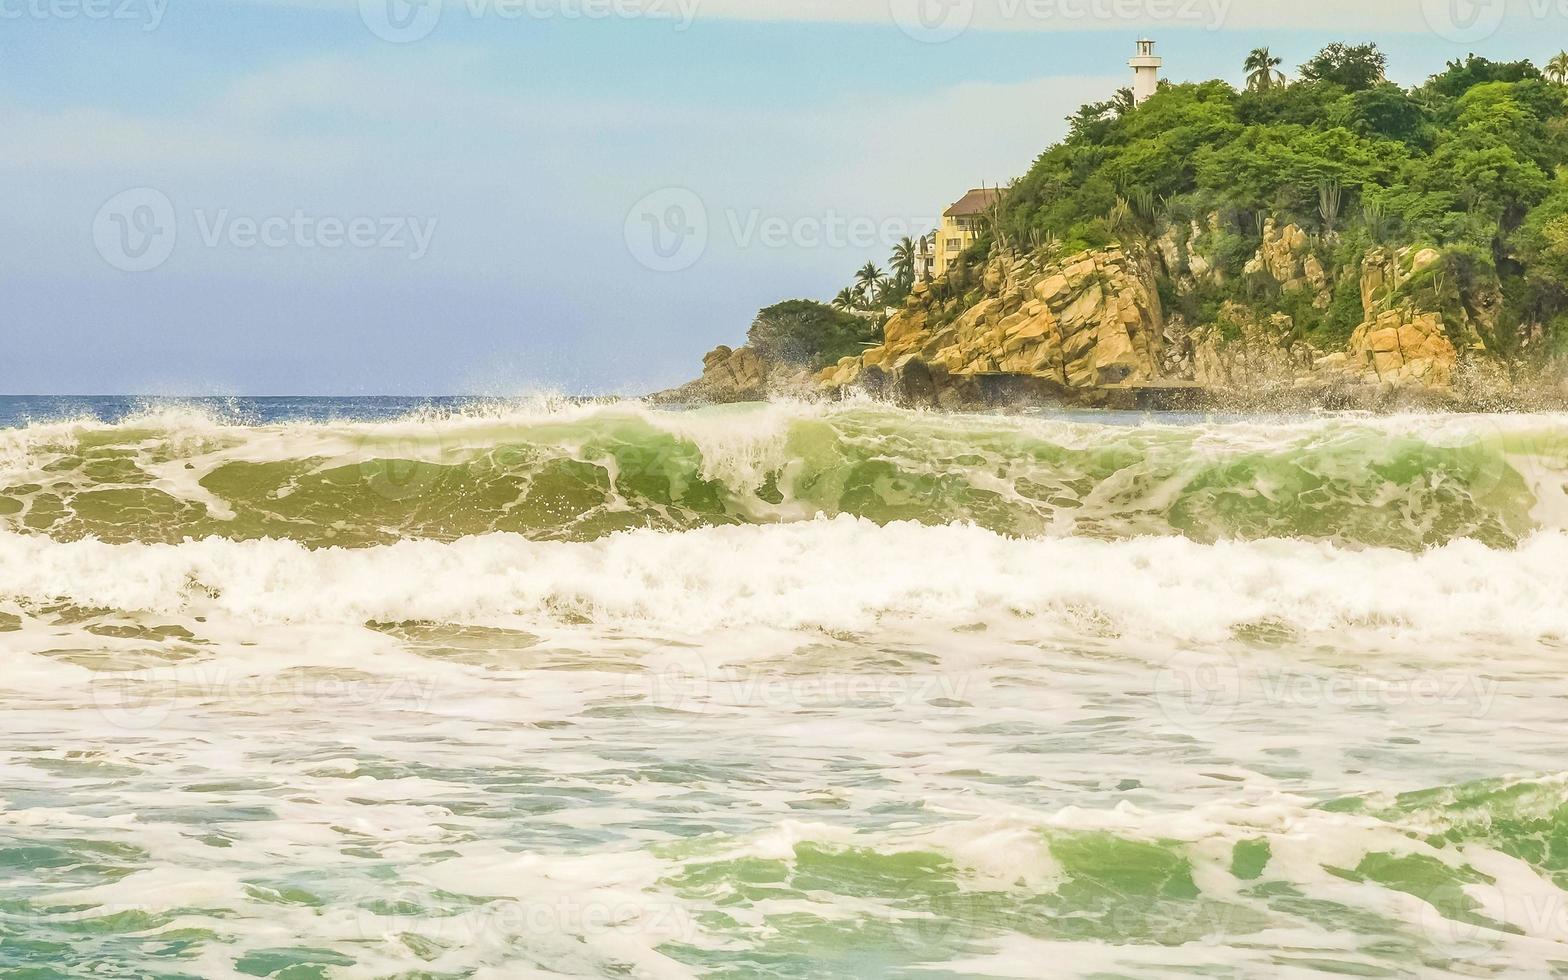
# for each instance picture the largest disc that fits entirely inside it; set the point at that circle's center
(343, 688)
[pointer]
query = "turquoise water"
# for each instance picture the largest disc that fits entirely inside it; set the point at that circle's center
(380, 689)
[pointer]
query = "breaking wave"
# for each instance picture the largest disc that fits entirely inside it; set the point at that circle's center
(577, 473)
(839, 574)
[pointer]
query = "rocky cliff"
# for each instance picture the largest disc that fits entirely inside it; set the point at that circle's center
(1091, 320)
(1092, 328)
(1091, 324)
(738, 375)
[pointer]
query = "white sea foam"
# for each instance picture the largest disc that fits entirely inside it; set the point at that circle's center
(669, 768)
(840, 574)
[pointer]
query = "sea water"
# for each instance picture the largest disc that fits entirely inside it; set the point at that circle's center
(373, 687)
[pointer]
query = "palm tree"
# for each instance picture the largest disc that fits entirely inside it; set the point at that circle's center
(846, 299)
(1557, 68)
(903, 260)
(866, 278)
(1263, 70)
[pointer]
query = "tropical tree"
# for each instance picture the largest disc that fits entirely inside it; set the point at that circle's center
(847, 299)
(903, 260)
(1089, 120)
(1263, 70)
(884, 291)
(1353, 67)
(805, 332)
(1557, 68)
(866, 278)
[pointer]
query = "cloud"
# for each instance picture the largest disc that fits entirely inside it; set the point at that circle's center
(939, 20)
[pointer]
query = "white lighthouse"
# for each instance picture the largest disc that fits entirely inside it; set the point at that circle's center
(1145, 72)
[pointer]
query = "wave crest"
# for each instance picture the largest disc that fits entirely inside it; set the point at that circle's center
(579, 472)
(843, 574)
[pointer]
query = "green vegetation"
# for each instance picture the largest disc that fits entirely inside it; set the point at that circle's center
(874, 292)
(805, 332)
(1472, 163)
(1263, 70)
(1469, 163)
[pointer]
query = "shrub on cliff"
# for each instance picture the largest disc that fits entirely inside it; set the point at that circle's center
(807, 333)
(1542, 243)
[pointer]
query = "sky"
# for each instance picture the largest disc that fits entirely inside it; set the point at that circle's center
(503, 197)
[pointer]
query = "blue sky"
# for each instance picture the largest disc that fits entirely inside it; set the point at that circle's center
(498, 170)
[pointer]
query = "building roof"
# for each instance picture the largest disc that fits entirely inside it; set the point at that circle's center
(975, 202)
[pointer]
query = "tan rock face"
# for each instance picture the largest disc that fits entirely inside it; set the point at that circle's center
(1095, 319)
(1384, 270)
(1402, 344)
(902, 328)
(1179, 248)
(723, 367)
(1262, 350)
(1403, 347)
(1380, 277)
(1285, 256)
(736, 374)
(1090, 319)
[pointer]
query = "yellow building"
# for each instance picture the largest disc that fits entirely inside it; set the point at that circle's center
(961, 225)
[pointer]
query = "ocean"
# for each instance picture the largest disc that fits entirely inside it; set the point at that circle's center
(454, 688)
